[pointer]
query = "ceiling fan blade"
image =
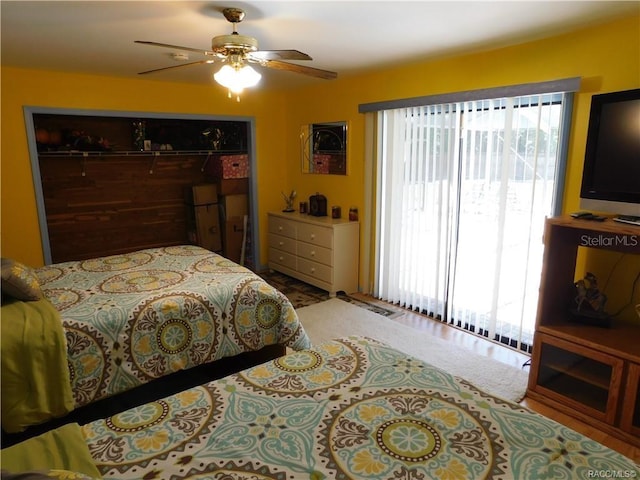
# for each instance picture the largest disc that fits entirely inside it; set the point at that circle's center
(291, 67)
(177, 47)
(175, 66)
(279, 55)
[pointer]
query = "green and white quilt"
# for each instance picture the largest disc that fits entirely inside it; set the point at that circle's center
(351, 408)
(131, 318)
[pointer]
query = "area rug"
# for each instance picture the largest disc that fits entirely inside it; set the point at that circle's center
(336, 318)
(301, 294)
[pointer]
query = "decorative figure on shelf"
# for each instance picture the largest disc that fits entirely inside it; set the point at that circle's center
(215, 137)
(289, 201)
(139, 134)
(590, 301)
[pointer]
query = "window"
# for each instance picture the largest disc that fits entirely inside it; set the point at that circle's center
(463, 191)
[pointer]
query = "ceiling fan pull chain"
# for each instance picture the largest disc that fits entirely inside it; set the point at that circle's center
(230, 95)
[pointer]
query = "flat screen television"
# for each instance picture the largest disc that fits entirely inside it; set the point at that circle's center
(611, 176)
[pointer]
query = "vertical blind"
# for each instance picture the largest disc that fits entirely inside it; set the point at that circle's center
(463, 191)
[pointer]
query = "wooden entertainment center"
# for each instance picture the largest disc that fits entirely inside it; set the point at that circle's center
(586, 371)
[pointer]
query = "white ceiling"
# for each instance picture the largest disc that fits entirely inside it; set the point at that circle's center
(344, 36)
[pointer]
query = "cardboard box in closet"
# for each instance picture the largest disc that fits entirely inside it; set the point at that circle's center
(232, 186)
(203, 194)
(203, 218)
(230, 166)
(235, 205)
(233, 236)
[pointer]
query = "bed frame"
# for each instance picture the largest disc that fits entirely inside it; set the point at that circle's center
(151, 391)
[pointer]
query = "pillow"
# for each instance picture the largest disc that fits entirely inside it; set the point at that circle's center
(19, 281)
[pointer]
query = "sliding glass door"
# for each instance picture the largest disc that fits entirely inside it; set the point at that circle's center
(463, 191)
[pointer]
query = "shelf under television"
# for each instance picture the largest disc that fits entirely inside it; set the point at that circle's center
(621, 339)
(583, 372)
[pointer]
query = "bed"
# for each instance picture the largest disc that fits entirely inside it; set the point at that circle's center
(95, 328)
(349, 408)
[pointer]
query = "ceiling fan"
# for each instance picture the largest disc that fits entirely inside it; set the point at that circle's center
(237, 51)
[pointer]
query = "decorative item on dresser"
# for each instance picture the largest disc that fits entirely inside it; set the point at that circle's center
(321, 251)
(590, 371)
(318, 205)
(288, 199)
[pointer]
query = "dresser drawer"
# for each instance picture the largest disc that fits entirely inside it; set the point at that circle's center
(315, 252)
(286, 244)
(315, 234)
(315, 270)
(282, 258)
(281, 226)
(320, 251)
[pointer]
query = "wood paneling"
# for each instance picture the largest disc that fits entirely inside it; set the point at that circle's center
(106, 204)
(104, 195)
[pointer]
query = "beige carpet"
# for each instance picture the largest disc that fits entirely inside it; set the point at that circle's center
(336, 318)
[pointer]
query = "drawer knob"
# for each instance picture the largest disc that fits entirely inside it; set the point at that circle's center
(280, 228)
(281, 243)
(281, 258)
(313, 270)
(313, 253)
(313, 236)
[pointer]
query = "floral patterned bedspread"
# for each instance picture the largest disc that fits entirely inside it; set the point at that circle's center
(351, 408)
(135, 317)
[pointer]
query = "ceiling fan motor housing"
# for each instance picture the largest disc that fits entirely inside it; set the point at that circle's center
(234, 43)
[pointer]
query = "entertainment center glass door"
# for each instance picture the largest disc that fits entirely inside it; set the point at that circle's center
(575, 374)
(631, 417)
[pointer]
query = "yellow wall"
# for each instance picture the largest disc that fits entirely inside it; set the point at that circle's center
(607, 57)
(20, 234)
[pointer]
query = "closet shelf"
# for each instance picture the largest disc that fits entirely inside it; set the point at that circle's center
(137, 153)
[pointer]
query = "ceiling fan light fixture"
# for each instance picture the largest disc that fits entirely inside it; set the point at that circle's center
(236, 78)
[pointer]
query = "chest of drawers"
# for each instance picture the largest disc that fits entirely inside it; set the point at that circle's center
(321, 251)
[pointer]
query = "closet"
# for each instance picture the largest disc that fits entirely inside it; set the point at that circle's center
(113, 184)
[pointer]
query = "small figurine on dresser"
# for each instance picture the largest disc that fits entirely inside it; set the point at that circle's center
(289, 201)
